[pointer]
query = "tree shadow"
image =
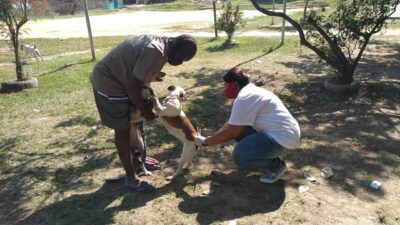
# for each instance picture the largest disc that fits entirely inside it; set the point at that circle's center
(78, 120)
(353, 134)
(222, 47)
(64, 67)
(100, 206)
(95, 207)
(268, 51)
(251, 197)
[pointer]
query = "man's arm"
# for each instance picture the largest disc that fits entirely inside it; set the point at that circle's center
(226, 133)
(135, 95)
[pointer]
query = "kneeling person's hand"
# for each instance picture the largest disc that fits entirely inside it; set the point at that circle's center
(200, 140)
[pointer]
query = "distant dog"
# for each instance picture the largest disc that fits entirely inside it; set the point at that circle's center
(31, 51)
(171, 115)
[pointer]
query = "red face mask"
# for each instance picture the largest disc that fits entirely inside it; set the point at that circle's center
(231, 90)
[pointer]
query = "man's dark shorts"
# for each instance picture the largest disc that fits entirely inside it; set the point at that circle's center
(113, 113)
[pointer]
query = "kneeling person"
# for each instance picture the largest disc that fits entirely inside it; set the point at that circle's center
(260, 124)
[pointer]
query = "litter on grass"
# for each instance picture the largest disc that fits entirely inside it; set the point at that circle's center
(309, 177)
(232, 222)
(375, 184)
(303, 188)
(326, 172)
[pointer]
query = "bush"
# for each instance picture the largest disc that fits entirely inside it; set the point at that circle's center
(230, 20)
(66, 7)
(40, 8)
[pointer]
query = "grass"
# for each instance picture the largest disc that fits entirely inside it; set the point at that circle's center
(48, 132)
(55, 154)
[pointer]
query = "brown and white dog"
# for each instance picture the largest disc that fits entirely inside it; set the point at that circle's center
(171, 115)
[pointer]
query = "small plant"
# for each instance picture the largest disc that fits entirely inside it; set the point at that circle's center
(230, 20)
(13, 15)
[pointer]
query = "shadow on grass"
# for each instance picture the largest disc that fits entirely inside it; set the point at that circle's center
(79, 120)
(64, 67)
(356, 134)
(97, 207)
(270, 50)
(250, 197)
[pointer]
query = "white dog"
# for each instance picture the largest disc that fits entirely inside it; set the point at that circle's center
(171, 115)
(31, 51)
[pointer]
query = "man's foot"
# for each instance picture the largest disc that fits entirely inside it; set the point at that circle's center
(272, 177)
(138, 186)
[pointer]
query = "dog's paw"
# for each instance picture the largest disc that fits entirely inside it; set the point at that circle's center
(147, 173)
(170, 177)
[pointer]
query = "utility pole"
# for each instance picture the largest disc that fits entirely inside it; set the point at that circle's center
(215, 18)
(273, 10)
(283, 23)
(89, 30)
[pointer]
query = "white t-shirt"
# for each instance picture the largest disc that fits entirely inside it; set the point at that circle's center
(265, 112)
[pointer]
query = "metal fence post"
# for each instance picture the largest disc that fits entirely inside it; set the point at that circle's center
(215, 19)
(283, 23)
(89, 30)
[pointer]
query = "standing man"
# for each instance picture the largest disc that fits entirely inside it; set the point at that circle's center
(118, 80)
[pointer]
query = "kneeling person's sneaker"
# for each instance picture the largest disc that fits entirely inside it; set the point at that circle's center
(272, 177)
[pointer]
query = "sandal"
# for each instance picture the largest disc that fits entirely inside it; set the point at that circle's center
(151, 163)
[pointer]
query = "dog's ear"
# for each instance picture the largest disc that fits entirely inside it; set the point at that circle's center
(171, 88)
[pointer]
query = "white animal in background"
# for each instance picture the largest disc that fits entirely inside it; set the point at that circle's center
(171, 115)
(31, 51)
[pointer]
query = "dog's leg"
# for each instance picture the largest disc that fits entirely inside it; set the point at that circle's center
(188, 152)
(157, 106)
(38, 54)
(137, 147)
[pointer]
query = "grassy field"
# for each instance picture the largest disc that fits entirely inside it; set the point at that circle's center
(55, 154)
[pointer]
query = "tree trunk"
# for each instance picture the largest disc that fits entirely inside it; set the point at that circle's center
(18, 65)
(305, 10)
(229, 40)
(346, 76)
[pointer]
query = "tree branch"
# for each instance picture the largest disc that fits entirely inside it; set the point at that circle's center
(303, 39)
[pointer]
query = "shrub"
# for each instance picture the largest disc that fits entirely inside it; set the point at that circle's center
(230, 20)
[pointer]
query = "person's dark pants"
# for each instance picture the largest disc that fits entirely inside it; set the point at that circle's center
(257, 150)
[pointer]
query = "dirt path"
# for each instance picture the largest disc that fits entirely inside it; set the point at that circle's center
(140, 22)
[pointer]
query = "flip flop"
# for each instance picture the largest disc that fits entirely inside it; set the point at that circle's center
(151, 160)
(152, 163)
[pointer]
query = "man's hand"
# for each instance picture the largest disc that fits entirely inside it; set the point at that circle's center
(200, 140)
(149, 115)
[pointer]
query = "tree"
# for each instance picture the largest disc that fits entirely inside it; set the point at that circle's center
(230, 20)
(340, 38)
(13, 15)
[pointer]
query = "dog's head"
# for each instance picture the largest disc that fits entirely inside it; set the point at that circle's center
(176, 91)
